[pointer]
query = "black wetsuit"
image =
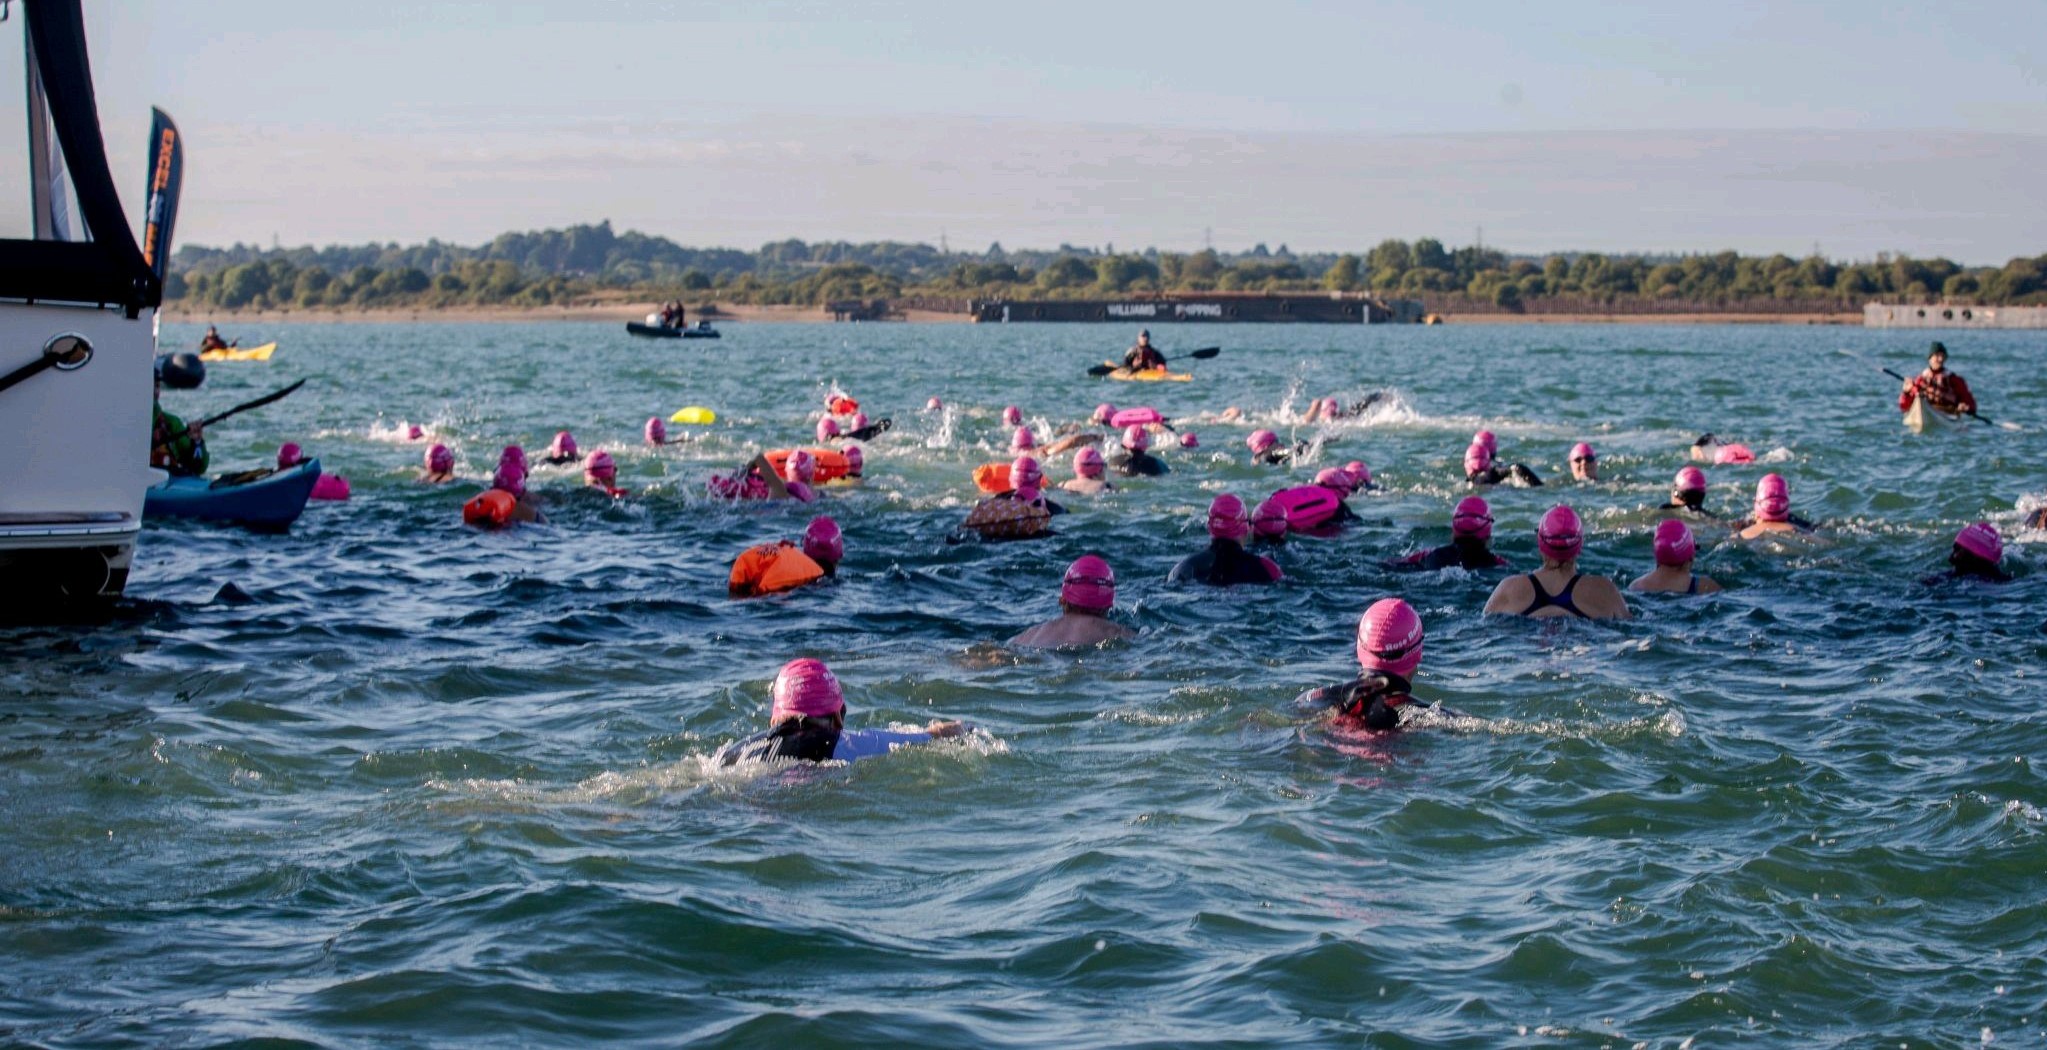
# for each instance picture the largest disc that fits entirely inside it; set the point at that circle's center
(1224, 563)
(1459, 554)
(1140, 463)
(801, 740)
(1495, 475)
(1372, 698)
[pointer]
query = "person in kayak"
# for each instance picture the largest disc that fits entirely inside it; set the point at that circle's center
(562, 449)
(1470, 546)
(771, 568)
(1584, 463)
(1688, 493)
(1480, 470)
(1674, 549)
(1977, 554)
(175, 446)
(1088, 468)
(807, 723)
(1226, 562)
(1558, 588)
(1772, 511)
(1144, 357)
(440, 465)
(1942, 389)
(212, 340)
(1135, 460)
(1389, 651)
(1086, 595)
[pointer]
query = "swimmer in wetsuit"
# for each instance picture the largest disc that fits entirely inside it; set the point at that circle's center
(1226, 562)
(1086, 595)
(1268, 522)
(1688, 493)
(1389, 649)
(1584, 463)
(1558, 588)
(1266, 448)
(1675, 548)
(808, 724)
(1479, 469)
(562, 449)
(1470, 546)
(1135, 461)
(1772, 511)
(1977, 554)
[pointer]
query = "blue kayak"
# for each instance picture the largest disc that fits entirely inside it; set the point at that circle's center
(272, 501)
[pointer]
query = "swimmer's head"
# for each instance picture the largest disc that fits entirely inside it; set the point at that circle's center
(1269, 519)
(1486, 438)
(1360, 474)
(1025, 471)
(1584, 462)
(1560, 535)
(439, 460)
(598, 466)
(827, 429)
(657, 431)
(1332, 478)
(413, 432)
(800, 466)
(1689, 487)
(511, 477)
(1023, 439)
(512, 454)
(934, 405)
(1982, 541)
(1089, 586)
(858, 422)
(1012, 416)
(1473, 518)
(1136, 438)
(1477, 459)
(1103, 413)
(856, 460)
(1227, 519)
(1262, 441)
(563, 446)
(290, 455)
(1773, 499)
(1088, 462)
(823, 542)
(1188, 440)
(1675, 546)
(806, 688)
(1390, 638)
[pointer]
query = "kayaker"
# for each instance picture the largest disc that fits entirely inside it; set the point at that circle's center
(1086, 595)
(1942, 389)
(1389, 651)
(212, 340)
(440, 465)
(562, 449)
(174, 445)
(1088, 468)
(1688, 492)
(771, 568)
(1558, 588)
(1977, 554)
(1584, 463)
(807, 723)
(1772, 511)
(1135, 460)
(601, 472)
(1226, 562)
(1470, 546)
(1144, 357)
(1480, 470)
(1674, 550)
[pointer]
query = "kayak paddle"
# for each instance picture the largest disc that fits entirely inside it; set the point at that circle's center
(1902, 379)
(247, 405)
(1202, 354)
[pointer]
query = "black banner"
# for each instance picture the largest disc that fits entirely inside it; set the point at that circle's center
(166, 178)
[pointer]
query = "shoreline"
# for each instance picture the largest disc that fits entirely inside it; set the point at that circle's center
(729, 313)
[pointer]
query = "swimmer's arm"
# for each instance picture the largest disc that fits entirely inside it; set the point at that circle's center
(1509, 597)
(777, 489)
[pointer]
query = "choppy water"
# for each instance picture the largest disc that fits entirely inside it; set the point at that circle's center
(385, 779)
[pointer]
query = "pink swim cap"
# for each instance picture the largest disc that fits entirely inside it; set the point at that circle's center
(1486, 438)
(856, 460)
(822, 541)
(1227, 520)
(858, 422)
(933, 405)
(1333, 478)
(1477, 458)
(1023, 439)
(1982, 540)
(598, 465)
(1136, 438)
(657, 431)
(1027, 493)
(1102, 413)
(1188, 440)
(1012, 416)
(1025, 472)
(439, 460)
(1560, 535)
(1674, 543)
(1360, 474)
(807, 688)
(1090, 585)
(564, 446)
(1088, 462)
(511, 477)
(1773, 498)
(289, 455)
(827, 429)
(1581, 450)
(1690, 479)
(512, 454)
(1473, 517)
(1269, 520)
(800, 466)
(1390, 638)
(413, 432)
(1261, 440)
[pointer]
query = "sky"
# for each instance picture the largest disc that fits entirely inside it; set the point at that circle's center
(1566, 125)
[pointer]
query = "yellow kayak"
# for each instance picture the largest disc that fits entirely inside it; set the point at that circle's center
(1149, 375)
(234, 353)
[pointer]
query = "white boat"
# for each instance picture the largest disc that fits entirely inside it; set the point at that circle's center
(78, 300)
(1921, 418)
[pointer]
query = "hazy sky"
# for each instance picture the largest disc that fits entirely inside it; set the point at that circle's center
(1563, 124)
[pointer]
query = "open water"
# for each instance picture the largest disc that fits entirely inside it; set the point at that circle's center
(387, 780)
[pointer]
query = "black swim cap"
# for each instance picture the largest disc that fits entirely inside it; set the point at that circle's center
(181, 371)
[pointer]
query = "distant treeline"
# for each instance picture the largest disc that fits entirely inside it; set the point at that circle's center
(586, 263)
